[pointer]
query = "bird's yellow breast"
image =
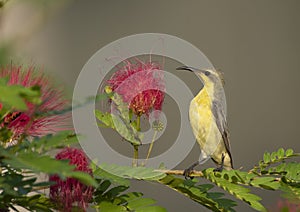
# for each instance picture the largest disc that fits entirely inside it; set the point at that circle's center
(201, 116)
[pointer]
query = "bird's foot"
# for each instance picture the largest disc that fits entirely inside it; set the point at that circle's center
(220, 169)
(187, 172)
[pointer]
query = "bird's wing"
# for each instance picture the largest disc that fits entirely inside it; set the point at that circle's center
(218, 112)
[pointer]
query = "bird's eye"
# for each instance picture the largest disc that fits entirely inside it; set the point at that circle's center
(207, 73)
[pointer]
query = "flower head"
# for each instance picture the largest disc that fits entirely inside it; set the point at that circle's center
(141, 85)
(71, 192)
(20, 122)
(285, 205)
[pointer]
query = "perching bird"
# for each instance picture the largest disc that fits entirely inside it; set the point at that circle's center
(207, 115)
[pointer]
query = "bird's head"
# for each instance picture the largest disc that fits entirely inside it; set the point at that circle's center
(208, 77)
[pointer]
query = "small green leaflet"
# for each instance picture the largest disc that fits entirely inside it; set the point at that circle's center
(14, 95)
(140, 173)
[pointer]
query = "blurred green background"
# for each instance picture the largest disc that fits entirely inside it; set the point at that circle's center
(255, 43)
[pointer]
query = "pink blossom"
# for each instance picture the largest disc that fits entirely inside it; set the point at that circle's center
(286, 205)
(20, 122)
(141, 85)
(71, 192)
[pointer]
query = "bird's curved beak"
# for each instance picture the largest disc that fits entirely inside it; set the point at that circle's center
(187, 68)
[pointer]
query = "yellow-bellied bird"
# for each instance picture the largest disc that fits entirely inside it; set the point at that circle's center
(207, 116)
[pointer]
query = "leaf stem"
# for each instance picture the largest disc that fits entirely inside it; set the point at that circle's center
(151, 146)
(136, 147)
(135, 155)
(138, 123)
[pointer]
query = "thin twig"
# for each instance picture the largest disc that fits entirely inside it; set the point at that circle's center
(40, 188)
(150, 147)
(136, 147)
(180, 172)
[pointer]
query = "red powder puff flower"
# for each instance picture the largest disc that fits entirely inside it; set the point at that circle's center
(285, 205)
(52, 100)
(71, 192)
(141, 85)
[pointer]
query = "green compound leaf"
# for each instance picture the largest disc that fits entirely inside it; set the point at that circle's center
(126, 130)
(152, 208)
(106, 206)
(268, 183)
(46, 164)
(273, 156)
(16, 190)
(35, 203)
(108, 198)
(249, 179)
(289, 152)
(267, 157)
(119, 119)
(140, 203)
(105, 118)
(104, 175)
(14, 96)
(48, 142)
(236, 190)
(280, 153)
(82, 177)
(139, 173)
(291, 171)
(215, 201)
(29, 157)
